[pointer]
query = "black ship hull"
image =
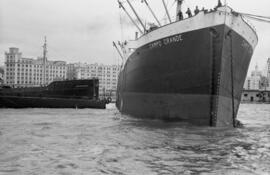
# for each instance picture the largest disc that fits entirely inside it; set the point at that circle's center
(195, 76)
(62, 94)
(45, 102)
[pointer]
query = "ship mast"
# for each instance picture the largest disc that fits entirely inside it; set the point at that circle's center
(139, 19)
(167, 12)
(150, 9)
(45, 51)
(178, 8)
(44, 60)
(121, 6)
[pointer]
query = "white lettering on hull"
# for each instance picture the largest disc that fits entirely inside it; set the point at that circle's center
(165, 41)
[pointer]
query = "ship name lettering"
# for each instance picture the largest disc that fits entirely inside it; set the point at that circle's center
(174, 39)
(166, 41)
(155, 44)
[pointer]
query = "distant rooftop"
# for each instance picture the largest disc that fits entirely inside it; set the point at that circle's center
(38, 60)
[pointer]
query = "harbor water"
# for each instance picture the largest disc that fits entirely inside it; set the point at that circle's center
(92, 141)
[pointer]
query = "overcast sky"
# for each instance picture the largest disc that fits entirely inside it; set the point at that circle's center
(83, 30)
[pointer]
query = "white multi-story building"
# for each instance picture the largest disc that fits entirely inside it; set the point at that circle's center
(28, 72)
(254, 81)
(107, 75)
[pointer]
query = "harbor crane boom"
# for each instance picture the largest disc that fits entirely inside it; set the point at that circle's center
(121, 6)
(139, 19)
(167, 12)
(150, 9)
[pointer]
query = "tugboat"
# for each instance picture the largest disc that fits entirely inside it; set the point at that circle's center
(190, 70)
(58, 94)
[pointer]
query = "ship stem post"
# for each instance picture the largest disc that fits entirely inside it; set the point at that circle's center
(150, 9)
(167, 12)
(139, 19)
(121, 6)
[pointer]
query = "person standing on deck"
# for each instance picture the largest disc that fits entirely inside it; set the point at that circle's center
(189, 13)
(196, 11)
(204, 10)
(180, 15)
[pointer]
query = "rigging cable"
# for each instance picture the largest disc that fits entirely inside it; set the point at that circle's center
(165, 15)
(257, 16)
(121, 25)
(122, 34)
(257, 19)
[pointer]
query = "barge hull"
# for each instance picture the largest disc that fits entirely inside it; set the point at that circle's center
(37, 102)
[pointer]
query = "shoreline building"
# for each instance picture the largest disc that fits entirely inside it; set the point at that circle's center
(29, 72)
(256, 88)
(268, 72)
(1, 75)
(255, 96)
(254, 81)
(107, 75)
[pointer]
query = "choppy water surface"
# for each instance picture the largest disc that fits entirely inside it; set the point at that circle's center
(90, 141)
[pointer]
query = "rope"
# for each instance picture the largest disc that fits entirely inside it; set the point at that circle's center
(258, 19)
(256, 16)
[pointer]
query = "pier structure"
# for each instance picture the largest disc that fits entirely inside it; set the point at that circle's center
(255, 96)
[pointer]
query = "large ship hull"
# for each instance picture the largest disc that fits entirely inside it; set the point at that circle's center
(195, 76)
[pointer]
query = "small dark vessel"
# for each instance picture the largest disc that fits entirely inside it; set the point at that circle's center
(58, 94)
